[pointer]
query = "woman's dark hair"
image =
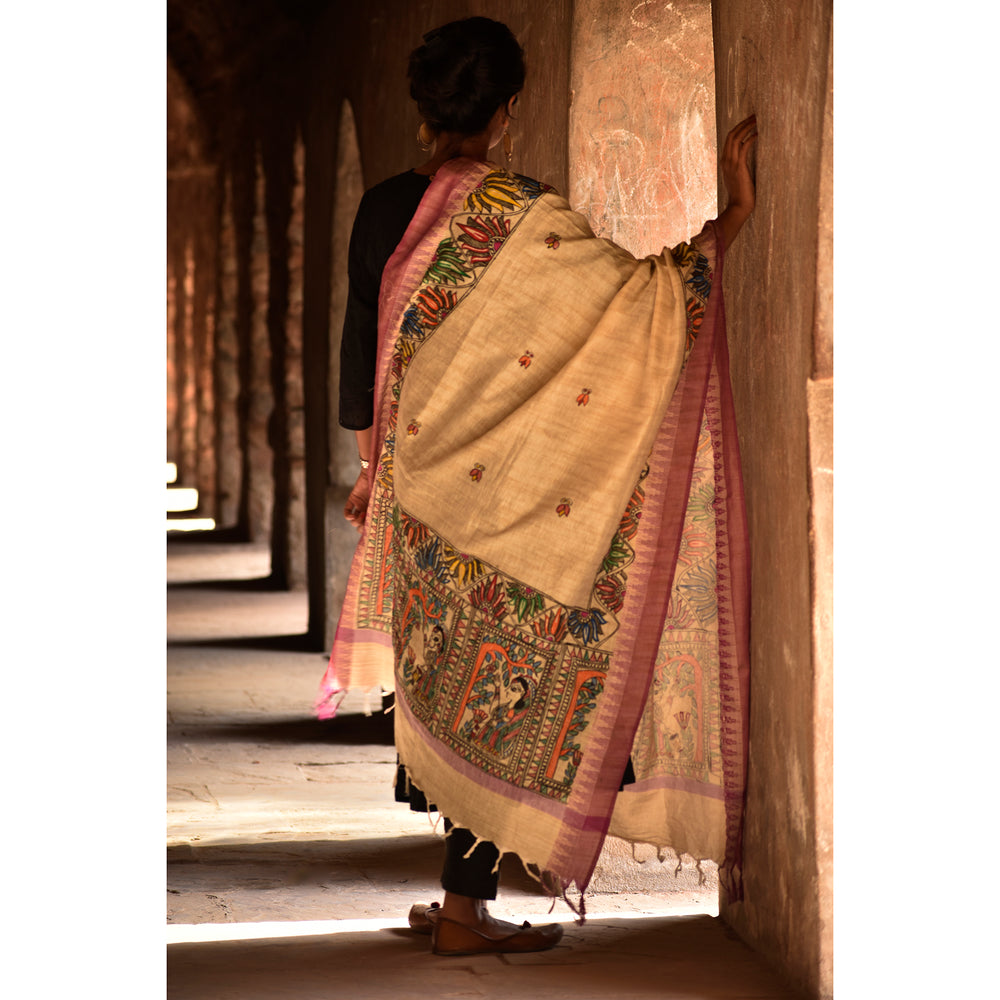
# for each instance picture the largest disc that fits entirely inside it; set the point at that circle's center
(463, 72)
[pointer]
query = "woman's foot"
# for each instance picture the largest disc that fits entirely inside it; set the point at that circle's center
(418, 919)
(463, 926)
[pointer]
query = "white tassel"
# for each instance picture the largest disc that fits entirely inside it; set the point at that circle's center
(468, 853)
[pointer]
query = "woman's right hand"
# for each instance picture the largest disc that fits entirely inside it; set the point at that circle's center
(736, 177)
(357, 501)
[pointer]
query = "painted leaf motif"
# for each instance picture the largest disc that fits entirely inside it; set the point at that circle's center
(629, 523)
(410, 326)
(526, 602)
(586, 624)
(531, 188)
(611, 591)
(488, 597)
(433, 304)
(448, 265)
(552, 626)
(497, 192)
(414, 531)
(483, 237)
(463, 568)
(619, 553)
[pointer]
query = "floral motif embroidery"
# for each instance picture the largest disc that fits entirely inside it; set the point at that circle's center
(697, 275)
(584, 398)
(552, 627)
(525, 359)
(462, 567)
(484, 237)
(447, 264)
(552, 241)
(488, 597)
(413, 428)
(415, 532)
(526, 600)
(476, 472)
(611, 591)
(434, 304)
(495, 192)
(563, 509)
(586, 624)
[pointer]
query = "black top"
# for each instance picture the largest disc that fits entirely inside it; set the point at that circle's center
(383, 215)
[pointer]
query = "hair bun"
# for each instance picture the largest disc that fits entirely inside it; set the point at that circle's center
(463, 72)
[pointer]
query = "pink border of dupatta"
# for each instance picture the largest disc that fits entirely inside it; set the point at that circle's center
(703, 388)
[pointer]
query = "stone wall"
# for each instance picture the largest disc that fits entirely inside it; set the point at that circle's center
(772, 57)
(642, 120)
(646, 108)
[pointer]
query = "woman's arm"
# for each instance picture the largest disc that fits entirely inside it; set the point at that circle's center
(356, 506)
(736, 176)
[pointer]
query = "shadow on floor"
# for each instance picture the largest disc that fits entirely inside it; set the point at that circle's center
(300, 643)
(353, 729)
(663, 957)
(225, 868)
(255, 585)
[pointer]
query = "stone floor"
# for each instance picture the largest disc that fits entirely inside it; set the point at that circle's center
(291, 869)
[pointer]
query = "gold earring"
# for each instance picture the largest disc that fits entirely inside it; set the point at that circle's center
(425, 136)
(508, 146)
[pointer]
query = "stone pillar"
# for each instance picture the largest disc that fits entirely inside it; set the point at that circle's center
(284, 325)
(642, 121)
(187, 460)
(294, 378)
(205, 216)
(173, 438)
(226, 367)
(342, 538)
(258, 475)
(773, 58)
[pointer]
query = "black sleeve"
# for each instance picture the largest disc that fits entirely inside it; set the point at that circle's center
(383, 216)
(359, 342)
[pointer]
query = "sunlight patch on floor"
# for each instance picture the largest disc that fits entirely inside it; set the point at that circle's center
(190, 524)
(197, 933)
(181, 498)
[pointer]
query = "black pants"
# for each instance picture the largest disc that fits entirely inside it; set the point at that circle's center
(472, 876)
(467, 876)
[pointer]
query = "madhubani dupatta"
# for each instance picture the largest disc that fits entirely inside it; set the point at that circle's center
(553, 572)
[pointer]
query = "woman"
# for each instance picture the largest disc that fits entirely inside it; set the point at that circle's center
(550, 488)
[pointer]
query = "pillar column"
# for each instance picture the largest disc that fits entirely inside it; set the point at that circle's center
(205, 221)
(258, 477)
(226, 366)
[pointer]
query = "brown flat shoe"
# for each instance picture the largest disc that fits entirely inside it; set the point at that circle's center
(449, 937)
(419, 922)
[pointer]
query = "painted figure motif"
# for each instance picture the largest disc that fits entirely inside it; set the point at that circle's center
(422, 660)
(496, 728)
